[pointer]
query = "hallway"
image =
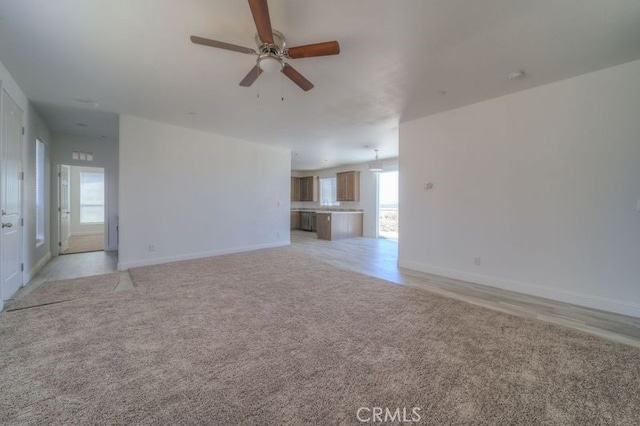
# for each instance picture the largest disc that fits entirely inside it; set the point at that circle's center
(72, 266)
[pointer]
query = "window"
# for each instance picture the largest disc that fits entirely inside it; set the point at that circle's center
(39, 192)
(328, 190)
(91, 197)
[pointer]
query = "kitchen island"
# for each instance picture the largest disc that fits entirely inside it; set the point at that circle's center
(334, 225)
(330, 224)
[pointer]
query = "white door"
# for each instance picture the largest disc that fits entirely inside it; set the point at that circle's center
(11, 200)
(65, 207)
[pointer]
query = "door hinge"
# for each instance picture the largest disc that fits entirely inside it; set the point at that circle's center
(59, 210)
(60, 244)
(22, 267)
(21, 176)
(22, 130)
(59, 174)
(22, 221)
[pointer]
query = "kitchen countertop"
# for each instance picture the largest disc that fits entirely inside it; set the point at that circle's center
(328, 210)
(338, 212)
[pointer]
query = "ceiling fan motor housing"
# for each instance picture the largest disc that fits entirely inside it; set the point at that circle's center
(277, 48)
(270, 57)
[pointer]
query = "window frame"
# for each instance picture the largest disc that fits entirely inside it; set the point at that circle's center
(81, 204)
(334, 192)
(40, 191)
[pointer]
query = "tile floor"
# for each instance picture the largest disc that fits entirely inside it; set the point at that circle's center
(72, 266)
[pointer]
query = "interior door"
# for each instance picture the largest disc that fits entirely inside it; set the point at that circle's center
(65, 207)
(11, 199)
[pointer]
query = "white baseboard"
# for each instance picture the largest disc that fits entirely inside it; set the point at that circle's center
(586, 300)
(123, 266)
(36, 268)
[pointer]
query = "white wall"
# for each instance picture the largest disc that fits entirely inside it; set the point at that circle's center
(368, 192)
(77, 227)
(194, 194)
(33, 257)
(105, 155)
(543, 185)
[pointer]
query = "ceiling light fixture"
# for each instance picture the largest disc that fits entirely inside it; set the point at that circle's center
(87, 101)
(269, 63)
(376, 166)
(517, 75)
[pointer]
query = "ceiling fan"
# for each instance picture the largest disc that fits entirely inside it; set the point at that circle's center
(272, 50)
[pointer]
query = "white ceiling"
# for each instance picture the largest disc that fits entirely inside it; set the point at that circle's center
(135, 57)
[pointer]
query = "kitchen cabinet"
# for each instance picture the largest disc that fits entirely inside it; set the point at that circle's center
(295, 189)
(304, 188)
(348, 186)
(295, 220)
(338, 225)
(309, 188)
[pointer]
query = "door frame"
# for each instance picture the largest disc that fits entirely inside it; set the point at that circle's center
(58, 208)
(24, 241)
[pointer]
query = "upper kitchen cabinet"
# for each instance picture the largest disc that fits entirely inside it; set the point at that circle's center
(348, 184)
(309, 188)
(295, 189)
(304, 188)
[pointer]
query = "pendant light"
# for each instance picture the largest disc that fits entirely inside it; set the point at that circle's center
(376, 166)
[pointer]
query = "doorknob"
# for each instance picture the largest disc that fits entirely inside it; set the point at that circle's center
(7, 225)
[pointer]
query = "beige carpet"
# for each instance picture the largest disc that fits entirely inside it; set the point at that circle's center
(275, 337)
(66, 290)
(85, 243)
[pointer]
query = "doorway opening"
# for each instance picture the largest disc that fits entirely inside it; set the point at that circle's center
(81, 209)
(388, 205)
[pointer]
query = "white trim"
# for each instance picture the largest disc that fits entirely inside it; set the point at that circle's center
(586, 300)
(32, 273)
(123, 266)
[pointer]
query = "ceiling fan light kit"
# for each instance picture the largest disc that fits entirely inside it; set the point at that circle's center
(270, 63)
(272, 50)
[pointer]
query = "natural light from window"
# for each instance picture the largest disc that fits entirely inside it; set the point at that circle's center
(39, 192)
(91, 197)
(328, 192)
(388, 205)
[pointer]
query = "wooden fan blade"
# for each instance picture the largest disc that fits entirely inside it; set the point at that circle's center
(250, 78)
(221, 45)
(297, 78)
(311, 50)
(260, 12)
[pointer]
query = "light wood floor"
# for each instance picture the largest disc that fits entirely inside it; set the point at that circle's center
(379, 257)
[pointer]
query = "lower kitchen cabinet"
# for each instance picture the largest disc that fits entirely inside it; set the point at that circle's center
(295, 220)
(335, 226)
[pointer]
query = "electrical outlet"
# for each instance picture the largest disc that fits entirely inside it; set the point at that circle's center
(477, 261)
(152, 247)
